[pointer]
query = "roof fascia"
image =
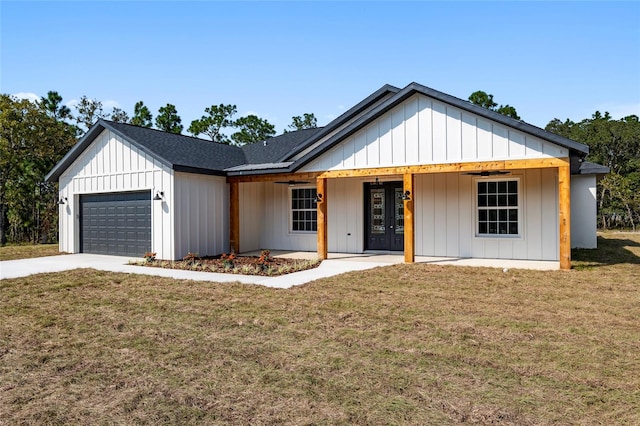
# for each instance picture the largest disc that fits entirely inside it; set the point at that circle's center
(414, 88)
(340, 120)
(84, 143)
(198, 170)
(74, 152)
(502, 119)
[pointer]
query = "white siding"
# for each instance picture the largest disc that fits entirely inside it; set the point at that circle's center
(251, 215)
(202, 216)
(273, 220)
(422, 130)
(445, 218)
(345, 210)
(583, 212)
(110, 164)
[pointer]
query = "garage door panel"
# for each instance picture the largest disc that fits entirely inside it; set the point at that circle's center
(116, 224)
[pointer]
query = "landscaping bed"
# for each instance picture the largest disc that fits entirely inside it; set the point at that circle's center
(265, 264)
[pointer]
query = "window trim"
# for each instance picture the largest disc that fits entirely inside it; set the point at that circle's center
(291, 210)
(521, 220)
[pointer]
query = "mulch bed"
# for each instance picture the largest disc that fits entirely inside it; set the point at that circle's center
(231, 264)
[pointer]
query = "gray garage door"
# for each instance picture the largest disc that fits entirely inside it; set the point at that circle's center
(116, 224)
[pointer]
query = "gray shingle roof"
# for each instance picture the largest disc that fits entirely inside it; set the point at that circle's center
(182, 152)
(189, 154)
(588, 168)
(277, 147)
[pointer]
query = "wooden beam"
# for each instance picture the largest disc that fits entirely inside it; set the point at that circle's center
(409, 229)
(564, 195)
(321, 189)
(234, 217)
(478, 166)
(274, 177)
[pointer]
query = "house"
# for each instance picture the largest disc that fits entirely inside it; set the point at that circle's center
(411, 170)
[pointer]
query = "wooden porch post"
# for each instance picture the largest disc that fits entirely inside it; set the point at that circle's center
(321, 190)
(564, 195)
(234, 217)
(409, 232)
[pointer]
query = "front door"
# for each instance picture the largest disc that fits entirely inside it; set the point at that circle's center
(384, 209)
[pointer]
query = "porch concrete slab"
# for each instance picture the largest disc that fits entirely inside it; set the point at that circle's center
(390, 258)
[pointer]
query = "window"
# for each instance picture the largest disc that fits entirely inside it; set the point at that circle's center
(304, 216)
(498, 206)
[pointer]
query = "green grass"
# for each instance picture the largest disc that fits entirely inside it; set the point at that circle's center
(404, 344)
(27, 251)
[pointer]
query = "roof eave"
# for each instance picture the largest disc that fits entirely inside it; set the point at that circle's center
(198, 170)
(74, 152)
(359, 107)
(84, 143)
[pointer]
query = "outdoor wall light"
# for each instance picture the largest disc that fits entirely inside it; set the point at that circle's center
(318, 198)
(406, 196)
(62, 201)
(159, 196)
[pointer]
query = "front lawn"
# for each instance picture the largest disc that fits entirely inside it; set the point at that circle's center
(404, 344)
(27, 251)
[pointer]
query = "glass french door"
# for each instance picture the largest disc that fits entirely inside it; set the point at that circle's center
(384, 209)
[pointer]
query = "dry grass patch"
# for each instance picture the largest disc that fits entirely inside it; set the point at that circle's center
(28, 251)
(405, 344)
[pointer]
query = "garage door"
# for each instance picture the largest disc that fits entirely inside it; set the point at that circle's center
(116, 224)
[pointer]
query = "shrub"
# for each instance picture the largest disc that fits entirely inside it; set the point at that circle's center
(149, 256)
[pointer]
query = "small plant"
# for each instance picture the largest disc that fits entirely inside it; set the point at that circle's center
(264, 260)
(190, 258)
(227, 260)
(149, 256)
(248, 270)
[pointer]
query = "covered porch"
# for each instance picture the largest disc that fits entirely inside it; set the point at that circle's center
(328, 184)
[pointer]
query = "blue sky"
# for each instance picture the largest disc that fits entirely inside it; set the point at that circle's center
(280, 59)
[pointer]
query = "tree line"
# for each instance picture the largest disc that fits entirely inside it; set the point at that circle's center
(34, 136)
(214, 124)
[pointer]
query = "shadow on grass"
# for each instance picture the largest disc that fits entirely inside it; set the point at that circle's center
(610, 251)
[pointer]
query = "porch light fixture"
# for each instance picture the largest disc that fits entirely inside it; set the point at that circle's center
(318, 198)
(406, 196)
(62, 201)
(159, 196)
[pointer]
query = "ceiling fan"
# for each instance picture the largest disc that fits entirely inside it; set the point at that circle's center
(293, 182)
(485, 173)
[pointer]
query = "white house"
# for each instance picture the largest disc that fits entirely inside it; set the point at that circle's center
(412, 170)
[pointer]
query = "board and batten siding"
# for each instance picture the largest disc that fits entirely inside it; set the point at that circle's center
(202, 219)
(251, 199)
(422, 130)
(445, 217)
(265, 217)
(111, 164)
(444, 212)
(584, 215)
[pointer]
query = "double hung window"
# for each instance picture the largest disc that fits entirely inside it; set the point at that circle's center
(498, 207)
(304, 216)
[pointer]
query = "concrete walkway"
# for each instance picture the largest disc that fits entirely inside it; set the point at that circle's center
(336, 264)
(26, 267)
